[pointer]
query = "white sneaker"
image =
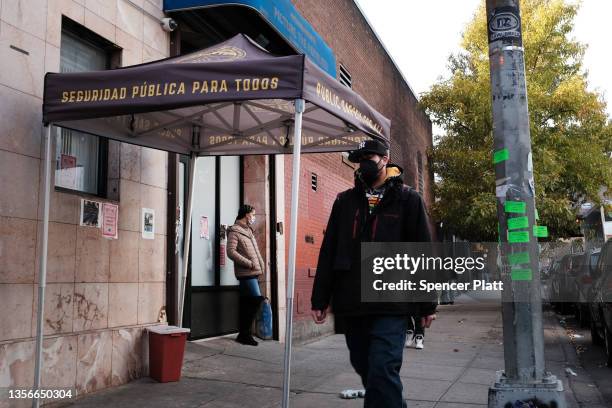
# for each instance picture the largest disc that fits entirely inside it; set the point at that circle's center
(352, 394)
(418, 339)
(409, 338)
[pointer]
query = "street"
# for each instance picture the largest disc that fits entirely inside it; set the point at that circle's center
(462, 352)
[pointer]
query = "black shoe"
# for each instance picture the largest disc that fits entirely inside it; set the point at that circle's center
(246, 340)
(249, 305)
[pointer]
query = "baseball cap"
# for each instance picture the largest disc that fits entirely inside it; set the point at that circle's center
(371, 146)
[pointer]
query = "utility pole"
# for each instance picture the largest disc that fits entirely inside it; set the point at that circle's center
(525, 377)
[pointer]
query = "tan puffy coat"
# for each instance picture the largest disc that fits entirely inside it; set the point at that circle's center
(243, 250)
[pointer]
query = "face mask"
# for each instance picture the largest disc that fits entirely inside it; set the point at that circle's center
(369, 171)
(251, 220)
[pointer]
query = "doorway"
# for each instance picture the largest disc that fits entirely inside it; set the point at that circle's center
(211, 298)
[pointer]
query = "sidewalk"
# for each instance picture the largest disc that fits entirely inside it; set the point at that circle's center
(462, 352)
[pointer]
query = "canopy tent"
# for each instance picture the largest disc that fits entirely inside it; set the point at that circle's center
(233, 98)
(236, 92)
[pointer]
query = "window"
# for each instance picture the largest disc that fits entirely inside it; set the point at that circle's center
(82, 159)
(345, 77)
(313, 181)
(80, 162)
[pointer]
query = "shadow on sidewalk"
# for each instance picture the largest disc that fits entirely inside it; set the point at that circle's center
(462, 352)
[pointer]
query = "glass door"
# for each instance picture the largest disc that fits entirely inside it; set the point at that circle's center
(212, 301)
(230, 202)
(203, 224)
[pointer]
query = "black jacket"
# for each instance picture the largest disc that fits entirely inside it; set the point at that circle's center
(399, 217)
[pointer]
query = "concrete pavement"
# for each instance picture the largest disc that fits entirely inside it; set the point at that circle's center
(591, 358)
(462, 352)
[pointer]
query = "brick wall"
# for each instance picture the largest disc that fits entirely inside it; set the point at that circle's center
(333, 176)
(375, 77)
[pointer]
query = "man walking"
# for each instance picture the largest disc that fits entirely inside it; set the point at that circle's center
(380, 208)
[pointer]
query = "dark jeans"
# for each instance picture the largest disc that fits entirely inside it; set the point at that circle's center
(414, 324)
(249, 287)
(376, 346)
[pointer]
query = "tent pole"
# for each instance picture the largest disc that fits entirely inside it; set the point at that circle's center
(42, 273)
(295, 189)
(187, 240)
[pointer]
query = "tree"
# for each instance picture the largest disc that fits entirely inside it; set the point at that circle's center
(570, 130)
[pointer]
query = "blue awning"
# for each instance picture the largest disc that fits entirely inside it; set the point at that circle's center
(282, 16)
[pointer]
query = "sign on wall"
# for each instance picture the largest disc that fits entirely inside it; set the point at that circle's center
(148, 223)
(204, 231)
(110, 218)
(67, 173)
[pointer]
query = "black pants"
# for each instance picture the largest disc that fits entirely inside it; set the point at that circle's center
(376, 346)
(414, 325)
(250, 300)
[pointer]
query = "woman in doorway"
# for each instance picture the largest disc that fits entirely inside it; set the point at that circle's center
(248, 266)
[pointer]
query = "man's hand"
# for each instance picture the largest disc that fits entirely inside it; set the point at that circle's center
(427, 320)
(319, 316)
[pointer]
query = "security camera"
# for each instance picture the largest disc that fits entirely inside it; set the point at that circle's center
(168, 24)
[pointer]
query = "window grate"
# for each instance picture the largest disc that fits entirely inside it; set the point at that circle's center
(346, 78)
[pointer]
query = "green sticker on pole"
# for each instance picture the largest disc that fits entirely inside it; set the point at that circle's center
(521, 274)
(517, 237)
(500, 156)
(518, 223)
(517, 207)
(519, 258)
(540, 231)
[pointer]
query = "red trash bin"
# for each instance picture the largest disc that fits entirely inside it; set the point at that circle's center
(166, 350)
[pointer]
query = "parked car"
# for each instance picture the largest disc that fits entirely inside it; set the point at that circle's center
(582, 272)
(600, 297)
(562, 285)
(546, 281)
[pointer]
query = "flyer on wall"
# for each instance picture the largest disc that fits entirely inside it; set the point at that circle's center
(90, 214)
(204, 227)
(110, 219)
(148, 223)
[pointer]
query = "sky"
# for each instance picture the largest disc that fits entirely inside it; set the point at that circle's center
(420, 35)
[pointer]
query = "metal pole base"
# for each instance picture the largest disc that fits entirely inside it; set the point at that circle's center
(547, 393)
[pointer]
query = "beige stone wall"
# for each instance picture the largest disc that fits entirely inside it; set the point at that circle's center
(100, 293)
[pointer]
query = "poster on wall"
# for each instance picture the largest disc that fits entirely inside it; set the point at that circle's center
(110, 218)
(90, 213)
(148, 223)
(204, 227)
